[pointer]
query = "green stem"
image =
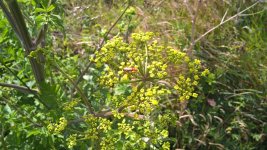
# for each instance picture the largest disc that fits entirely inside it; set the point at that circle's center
(16, 19)
(83, 97)
(16, 76)
(20, 24)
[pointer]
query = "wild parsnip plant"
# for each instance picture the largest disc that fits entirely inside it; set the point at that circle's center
(141, 82)
(133, 74)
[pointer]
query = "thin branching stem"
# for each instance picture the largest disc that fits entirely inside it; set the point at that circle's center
(79, 79)
(83, 97)
(25, 85)
(225, 21)
(193, 13)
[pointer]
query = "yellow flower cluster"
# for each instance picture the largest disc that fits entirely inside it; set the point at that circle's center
(107, 143)
(71, 141)
(104, 125)
(57, 127)
(92, 131)
(157, 69)
(166, 146)
(70, 105)
(150, 130)
(142, 37)
(130, 12)
(125, 128)
(176, 56)
(164, 133)
(185, 87)
(131, 61)
(145, 99)
(101, 130)
(96, 125)
(205, 72)
(109, 78)
(109, 51)
(141, 64)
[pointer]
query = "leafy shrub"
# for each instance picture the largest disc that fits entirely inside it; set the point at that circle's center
(135, 93)
(136, 87)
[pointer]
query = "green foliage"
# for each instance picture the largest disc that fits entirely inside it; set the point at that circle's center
(141, 90)
(141, 79)
(237, 61)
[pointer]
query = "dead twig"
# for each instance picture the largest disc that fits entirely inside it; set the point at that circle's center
(193, 13)
(225, 21)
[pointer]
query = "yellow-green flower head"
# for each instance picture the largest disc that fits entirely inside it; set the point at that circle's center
(130, 11)
(205, 72)
(71, 141)
(57, 127)
(142, 37)
(70, 105)
(152, 63)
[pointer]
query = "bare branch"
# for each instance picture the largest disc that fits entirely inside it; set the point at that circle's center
(224, 15)
(229, 19)
(19, 88)
(193, 13)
